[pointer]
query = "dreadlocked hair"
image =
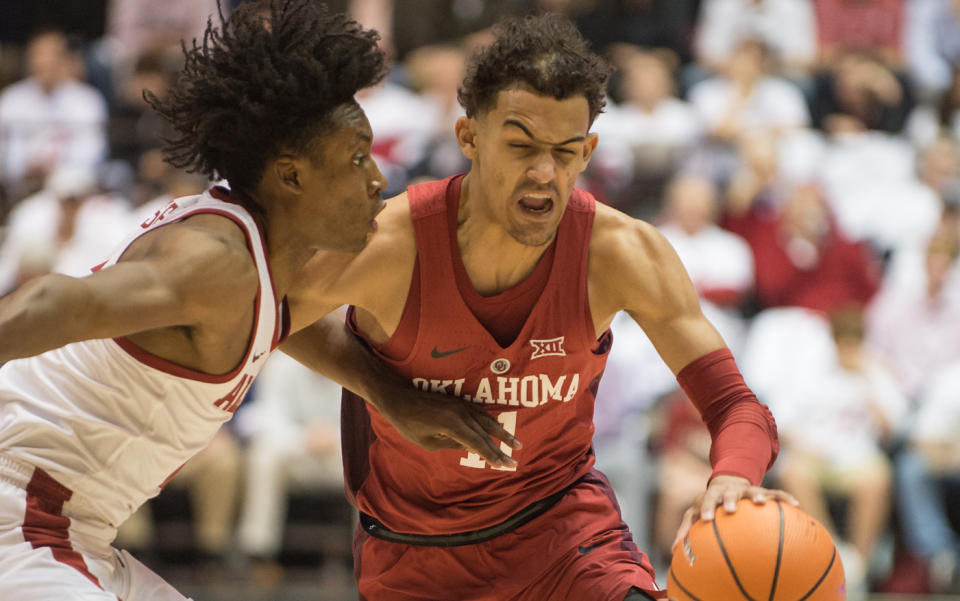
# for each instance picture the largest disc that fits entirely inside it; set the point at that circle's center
(544, 53)
(264, 82)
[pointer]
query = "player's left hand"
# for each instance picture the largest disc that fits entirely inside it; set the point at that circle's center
(726, 490)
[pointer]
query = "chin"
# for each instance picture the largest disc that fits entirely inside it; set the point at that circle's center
(534, 238)
(361, 243)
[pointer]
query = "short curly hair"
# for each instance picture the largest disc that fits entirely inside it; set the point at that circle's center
(545, 53)
(266, 81)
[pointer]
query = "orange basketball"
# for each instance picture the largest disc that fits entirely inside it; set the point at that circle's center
(768, 552)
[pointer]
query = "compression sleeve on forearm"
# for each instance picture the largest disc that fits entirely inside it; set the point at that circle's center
(743, 431)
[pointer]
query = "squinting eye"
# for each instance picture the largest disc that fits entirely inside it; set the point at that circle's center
(359, 160)
(566, 151)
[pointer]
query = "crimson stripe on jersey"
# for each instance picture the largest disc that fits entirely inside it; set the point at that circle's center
(45, 526)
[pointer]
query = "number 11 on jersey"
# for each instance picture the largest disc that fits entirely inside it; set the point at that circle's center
(507, 419)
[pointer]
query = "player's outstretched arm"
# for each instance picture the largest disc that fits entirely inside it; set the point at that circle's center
(431, 420)
(178, 275)
(638, 271)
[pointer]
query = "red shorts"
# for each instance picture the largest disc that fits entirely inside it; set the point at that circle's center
(578, 550)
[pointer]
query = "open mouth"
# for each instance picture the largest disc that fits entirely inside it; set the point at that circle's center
(373, 219)
(536, 204)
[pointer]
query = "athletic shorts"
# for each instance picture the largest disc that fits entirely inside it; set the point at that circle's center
(578, 550)
(45, 555)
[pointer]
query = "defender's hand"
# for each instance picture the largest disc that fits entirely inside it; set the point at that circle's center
(438, 421)
(726, 491)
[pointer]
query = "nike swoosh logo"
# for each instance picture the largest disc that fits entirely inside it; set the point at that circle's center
(437, 354)
(256, 356)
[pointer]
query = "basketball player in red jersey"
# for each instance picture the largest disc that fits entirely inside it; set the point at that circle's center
(499, 287)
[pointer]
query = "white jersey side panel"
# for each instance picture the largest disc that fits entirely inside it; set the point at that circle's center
(113, 423)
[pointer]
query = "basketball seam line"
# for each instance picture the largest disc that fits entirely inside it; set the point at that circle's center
(825, 572)
(776, 571)
(726, 558)
(683, 588)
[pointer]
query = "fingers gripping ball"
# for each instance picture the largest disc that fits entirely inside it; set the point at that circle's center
(768, 552)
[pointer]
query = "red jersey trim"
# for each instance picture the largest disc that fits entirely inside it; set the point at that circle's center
(282, 328)
(44, 524)
(175, 369)
(583, 202)
(283, 324)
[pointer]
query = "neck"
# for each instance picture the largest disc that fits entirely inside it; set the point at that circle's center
(494, 260)
(287, 250)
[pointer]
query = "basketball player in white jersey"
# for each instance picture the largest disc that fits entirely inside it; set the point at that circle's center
(113, 381)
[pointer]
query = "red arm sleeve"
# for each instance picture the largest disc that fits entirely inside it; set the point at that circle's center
(743, 431)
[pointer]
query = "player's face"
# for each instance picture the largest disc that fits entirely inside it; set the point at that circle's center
(344, 183)
(527, 153)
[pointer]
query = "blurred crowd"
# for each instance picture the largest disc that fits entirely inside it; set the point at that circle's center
(802, 156)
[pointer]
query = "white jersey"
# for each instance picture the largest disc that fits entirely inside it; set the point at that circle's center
(112, 422)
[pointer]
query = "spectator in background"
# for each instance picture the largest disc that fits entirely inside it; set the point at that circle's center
(873, 27)
(718, 262)
(857, 92)
(883, 192)
(50, 118)
(745, 98)
(802, 259)
(68, 227)
(932, 44)
(650, 127)
(648, 23)
(403, 122)
(432, 22)
(928, 481)
(939, 118)
(833, 427)
(915, 323)
(156, 183)
(786, 27)
(435, 73)
(938, 165)
(755, 184)
(134, 128)
(294, 443)
(139, 27)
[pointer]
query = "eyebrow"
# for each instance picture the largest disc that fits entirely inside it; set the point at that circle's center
(364, 137)
(524, 129)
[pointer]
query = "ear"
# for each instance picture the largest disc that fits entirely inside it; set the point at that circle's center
(285, 170)
(589, 145)
(466, 131)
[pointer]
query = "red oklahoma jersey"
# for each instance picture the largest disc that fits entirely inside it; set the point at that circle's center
(541, 387)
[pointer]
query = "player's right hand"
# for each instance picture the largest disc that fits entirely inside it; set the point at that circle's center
(438, 421)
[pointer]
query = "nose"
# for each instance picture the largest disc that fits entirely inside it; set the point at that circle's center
(378, 182)
(543, 169)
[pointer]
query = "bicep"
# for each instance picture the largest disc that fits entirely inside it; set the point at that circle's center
(182, 279)
(130, 297)
(658, 294)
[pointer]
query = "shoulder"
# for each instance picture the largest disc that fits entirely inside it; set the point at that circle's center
(779, 89)
(708, 88)
(201, 253)
(81, 92)
(17, 96)
(734, 242)
(630, 258)
(618, 237)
